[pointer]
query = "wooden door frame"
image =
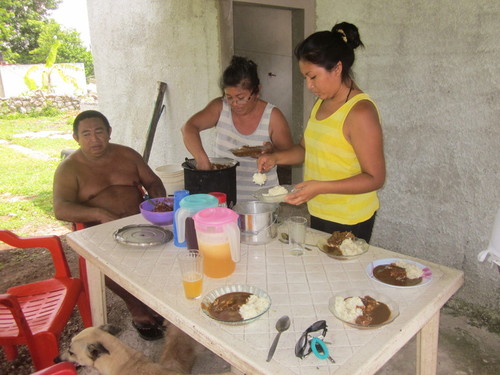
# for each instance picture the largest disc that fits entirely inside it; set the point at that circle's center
(303, 24)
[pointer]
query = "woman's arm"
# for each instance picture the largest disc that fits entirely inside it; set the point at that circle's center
(279, 131)
(293, 155)
(205, 119)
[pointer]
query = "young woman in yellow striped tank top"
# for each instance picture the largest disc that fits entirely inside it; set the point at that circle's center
(342, 146)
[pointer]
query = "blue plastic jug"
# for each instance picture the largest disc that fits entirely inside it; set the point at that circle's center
(190, 205)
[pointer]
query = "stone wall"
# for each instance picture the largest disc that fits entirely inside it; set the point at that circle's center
(40, 100)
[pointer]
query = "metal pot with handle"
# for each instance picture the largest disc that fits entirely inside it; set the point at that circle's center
(258, 221)
(221, 179)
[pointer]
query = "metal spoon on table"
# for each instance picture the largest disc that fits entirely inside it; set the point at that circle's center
(282, 325)
(284, 239)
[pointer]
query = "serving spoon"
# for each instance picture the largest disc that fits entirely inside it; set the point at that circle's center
(282, 325)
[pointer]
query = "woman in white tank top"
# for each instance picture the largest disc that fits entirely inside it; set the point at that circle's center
(241, 118)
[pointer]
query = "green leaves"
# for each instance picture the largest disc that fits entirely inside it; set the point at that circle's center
(27, 35)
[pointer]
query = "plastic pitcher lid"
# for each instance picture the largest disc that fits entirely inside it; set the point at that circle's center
(220, 196)
(196, 202)
(215, 216)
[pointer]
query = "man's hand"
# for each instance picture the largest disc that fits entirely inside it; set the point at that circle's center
(103, 215)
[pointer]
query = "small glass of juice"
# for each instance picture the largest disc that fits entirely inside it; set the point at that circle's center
(191, 265)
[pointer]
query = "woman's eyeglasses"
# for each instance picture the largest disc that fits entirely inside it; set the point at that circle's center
(237, 100)
(308, 343)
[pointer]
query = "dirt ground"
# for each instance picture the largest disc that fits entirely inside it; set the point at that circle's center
(22, 266)
(463, 348)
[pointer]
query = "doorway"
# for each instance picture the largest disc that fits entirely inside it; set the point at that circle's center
(267, 32)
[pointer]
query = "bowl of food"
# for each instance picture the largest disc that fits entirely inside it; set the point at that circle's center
(343, 246)
(158, 211)
(363, 309)
(236, 304)
(275, 194)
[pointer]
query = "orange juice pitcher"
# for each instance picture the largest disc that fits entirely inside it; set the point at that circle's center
(218, 237)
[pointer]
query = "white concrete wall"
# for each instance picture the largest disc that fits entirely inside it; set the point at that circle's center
(135, 45)
(432, 68)
(12, 79)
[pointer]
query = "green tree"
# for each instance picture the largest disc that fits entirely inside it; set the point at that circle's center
(71, 48)
(27, 35)
(21, 22)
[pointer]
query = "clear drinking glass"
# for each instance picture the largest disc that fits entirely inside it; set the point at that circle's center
(296, 234)
(191, 264)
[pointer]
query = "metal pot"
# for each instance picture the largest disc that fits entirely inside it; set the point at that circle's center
(216, 180)
(258, 222)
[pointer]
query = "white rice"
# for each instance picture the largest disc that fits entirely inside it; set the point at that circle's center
(259, 178)
(412, 270)
(348, 309)
(349, 247)
(274, 191)
(255, 305)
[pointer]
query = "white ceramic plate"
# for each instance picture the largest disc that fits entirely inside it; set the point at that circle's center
(391, 304)
(426, 277)
(210, 297)
(260, 194)
(362, 243)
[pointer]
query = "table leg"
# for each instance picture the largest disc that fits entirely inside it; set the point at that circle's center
(97, 295)
(427, 346)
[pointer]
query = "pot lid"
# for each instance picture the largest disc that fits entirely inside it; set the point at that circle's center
(196, 202)
(215, 216)
(143, 235)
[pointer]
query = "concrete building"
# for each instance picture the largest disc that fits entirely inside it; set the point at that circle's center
(431, 67)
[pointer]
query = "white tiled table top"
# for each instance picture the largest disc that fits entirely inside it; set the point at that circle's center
(299, 287)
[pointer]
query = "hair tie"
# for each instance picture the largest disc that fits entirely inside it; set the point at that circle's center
(341, 32)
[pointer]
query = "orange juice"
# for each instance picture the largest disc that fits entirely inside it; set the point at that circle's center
(217, 261)
(193, 283)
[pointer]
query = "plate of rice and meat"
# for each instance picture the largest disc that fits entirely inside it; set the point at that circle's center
(236, 304)
(363, 309)
(343, 246)
(399, 273)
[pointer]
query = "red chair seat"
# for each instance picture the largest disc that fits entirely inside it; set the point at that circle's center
(35, 314)
(41, 307)
(63, 368)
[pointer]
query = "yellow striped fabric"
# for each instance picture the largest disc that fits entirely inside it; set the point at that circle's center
(330, 157)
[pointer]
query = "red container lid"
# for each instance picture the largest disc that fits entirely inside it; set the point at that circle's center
(220, 196)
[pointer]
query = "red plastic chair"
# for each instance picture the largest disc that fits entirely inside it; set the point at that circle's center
(35, 314)
(63, 368)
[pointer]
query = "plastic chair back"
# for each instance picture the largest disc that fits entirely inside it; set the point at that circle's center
(35, 314)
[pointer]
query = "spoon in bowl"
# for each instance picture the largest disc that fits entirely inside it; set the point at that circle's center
(282, 325)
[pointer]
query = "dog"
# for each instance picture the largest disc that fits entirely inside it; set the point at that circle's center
(98, 347)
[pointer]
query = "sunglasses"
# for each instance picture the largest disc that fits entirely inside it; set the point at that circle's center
(308, 343)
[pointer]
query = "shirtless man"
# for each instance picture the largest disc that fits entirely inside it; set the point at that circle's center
(101, 182)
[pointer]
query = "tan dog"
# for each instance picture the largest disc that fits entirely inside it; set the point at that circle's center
(99, 348)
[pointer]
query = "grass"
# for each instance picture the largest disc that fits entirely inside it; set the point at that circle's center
(26, 183)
